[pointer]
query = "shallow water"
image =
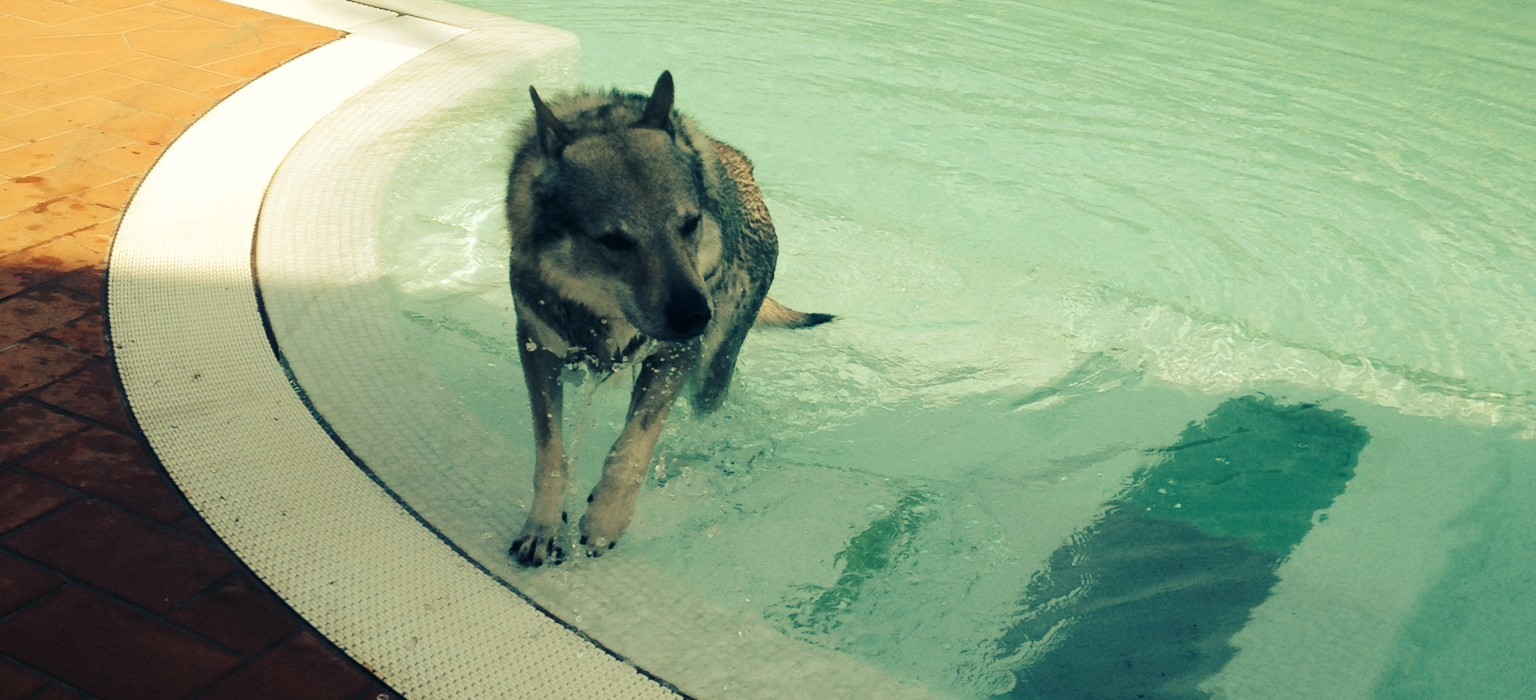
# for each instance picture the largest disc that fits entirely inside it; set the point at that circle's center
(1083, 258)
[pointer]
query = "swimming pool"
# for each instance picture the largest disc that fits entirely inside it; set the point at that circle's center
(1183, 348)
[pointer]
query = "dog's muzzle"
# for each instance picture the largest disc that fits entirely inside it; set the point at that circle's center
(687, 313)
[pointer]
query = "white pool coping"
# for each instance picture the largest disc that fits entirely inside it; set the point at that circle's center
(220, 413)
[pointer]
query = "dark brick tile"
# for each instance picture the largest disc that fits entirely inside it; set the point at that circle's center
(304, 668)
(21, 584)
(25, 426)
(24, 497)
(239, 613)
(91, 392)
(90, 282)
(17, 682)
(378, 691)
(86, 334)
(194, 526)
(114, 467)
(58, 692)
(41, 264)
(36, 363)
(130, 655)
(156, 567)
(39, 310)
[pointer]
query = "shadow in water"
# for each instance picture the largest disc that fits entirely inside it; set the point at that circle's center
(1143, 603)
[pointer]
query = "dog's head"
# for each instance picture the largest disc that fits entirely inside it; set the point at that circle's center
(622, 217)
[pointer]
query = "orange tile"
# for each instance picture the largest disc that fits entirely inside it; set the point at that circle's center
(50, 12)
(57, 92)
(78, 175)
(97, 238)
(259, 63)
(159, 99)
(37, 156)
(172, 74)
(218, 94)
(113, 195)
(9, 111)
(105, 6)
(192, 23)
(17, 27)
(42, 123)
(124, 20)
(56, 45)
(224, 13)
(56, 67)
(50, 220)
(10, 83)
(193, 47)
(132, 158)
(280, 30)
(146, 127)
(72, 177)
(15, 196)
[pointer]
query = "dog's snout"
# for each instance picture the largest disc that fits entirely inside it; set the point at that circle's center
(687, 313)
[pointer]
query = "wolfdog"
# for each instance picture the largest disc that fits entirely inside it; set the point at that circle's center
(635, 238)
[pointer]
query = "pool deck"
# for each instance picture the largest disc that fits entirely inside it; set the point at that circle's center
(110, 586)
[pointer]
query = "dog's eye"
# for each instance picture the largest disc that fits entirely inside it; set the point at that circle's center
(690, 225)
(617, 242)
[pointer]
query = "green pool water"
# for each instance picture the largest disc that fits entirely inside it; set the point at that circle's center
(1184, 349)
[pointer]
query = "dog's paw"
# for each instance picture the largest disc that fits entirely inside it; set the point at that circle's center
(604, 523)
(538, 545)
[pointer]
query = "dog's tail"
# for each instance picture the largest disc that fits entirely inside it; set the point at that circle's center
(776, 315)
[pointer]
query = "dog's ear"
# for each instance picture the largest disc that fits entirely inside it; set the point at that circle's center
(658, 111)
(553, 136)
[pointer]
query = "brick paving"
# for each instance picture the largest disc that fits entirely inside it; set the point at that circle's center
(110, 586)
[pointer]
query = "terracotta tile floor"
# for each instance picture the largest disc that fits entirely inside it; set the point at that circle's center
(110, 586)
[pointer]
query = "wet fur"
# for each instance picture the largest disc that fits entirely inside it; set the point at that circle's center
(636, 237)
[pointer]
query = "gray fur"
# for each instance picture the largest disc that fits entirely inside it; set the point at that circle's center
(635, 237)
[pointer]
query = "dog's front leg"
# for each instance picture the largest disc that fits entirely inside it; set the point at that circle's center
(613, 501)
(540, 539)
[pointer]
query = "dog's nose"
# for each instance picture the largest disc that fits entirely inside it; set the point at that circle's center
(687, 313)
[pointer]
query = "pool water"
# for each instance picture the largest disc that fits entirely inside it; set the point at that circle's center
(1184, 349)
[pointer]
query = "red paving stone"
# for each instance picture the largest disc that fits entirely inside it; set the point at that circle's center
(112, 466)
(156, 568)
(239, 614)
(301, 669)
(129, 650)
(110, 586)
(22, 583)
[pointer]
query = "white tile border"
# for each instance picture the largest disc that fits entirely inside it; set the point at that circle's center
(220, 413)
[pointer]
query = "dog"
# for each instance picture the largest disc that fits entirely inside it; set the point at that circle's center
(635, 237)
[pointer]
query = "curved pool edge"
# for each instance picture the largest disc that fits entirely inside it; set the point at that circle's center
(220, 413)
